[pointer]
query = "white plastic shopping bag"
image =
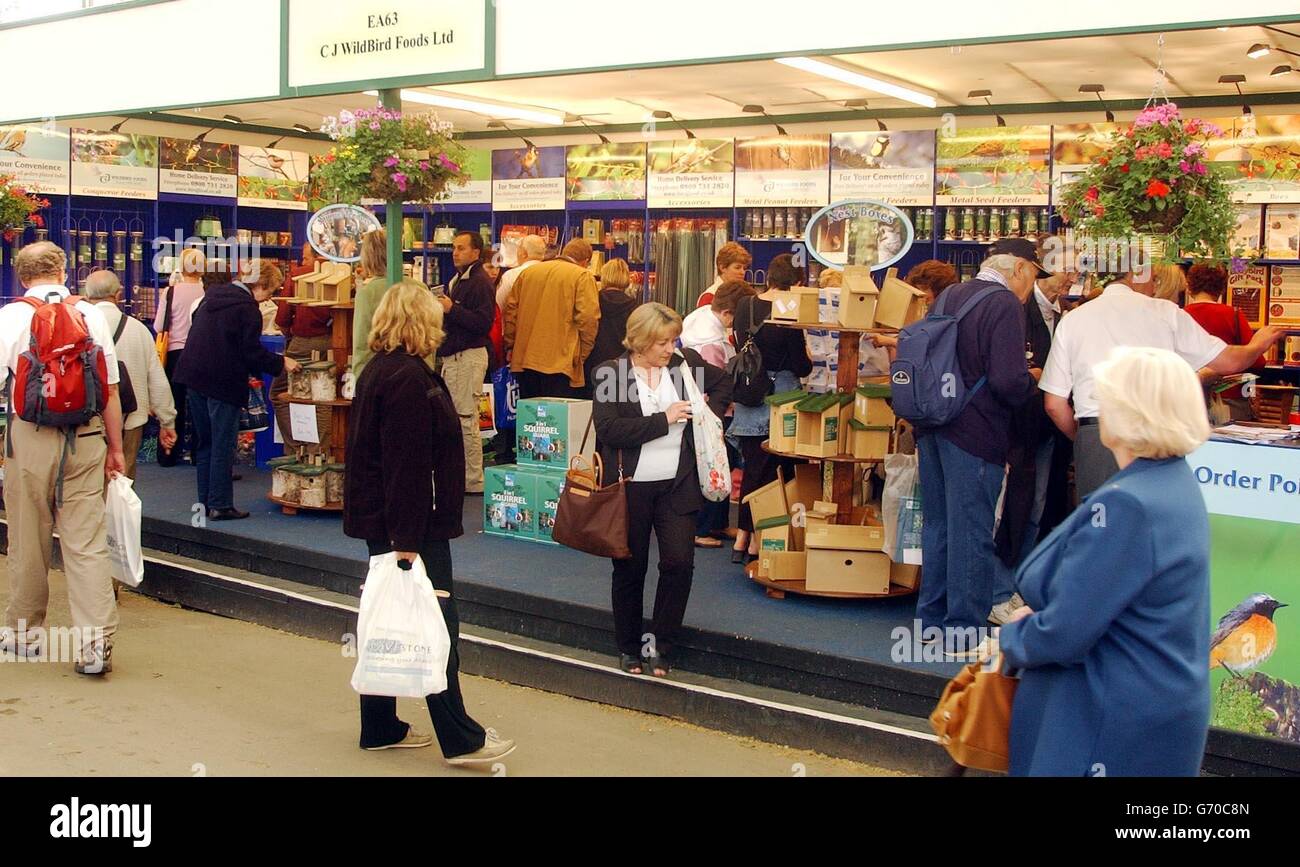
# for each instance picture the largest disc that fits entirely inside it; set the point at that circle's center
(402, 640)
(710, 448)
(123, 510)
(901, 507)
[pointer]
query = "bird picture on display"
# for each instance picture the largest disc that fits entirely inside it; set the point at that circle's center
(185, 155)
(882, 150)
(606, 171)
(1261, 160)
(273, 175)
(692, 156)
(784, 153)
(114, 148)
(36, 157)
(527, 162)
(994, 165)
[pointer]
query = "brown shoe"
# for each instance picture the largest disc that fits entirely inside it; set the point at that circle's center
(707, 542)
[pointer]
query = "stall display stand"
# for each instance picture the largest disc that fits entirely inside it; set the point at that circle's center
(844, 468)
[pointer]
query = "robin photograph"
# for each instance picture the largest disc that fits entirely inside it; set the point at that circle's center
(1246, 636)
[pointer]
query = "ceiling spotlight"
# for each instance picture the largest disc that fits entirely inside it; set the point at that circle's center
(855, 103)
(1281, 70)
(231, 119)
(660, 114)
(753, 108)
(117, 127)
(1258, 50)
(203, 136)
(985, 94)
(302, 127)
(497, 123)
(880, 125)
(276, 143)
(858, 77)
(1236, 80)
(1098, 89)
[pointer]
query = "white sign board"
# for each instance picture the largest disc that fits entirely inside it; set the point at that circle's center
(302, 423)
(37, 158)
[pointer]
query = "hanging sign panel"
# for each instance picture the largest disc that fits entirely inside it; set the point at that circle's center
(605, 172)
(37, 158)
(893, 167)
(783, 171)
(196, 168)
(114, 164)
(1259, 157)
(994, 166)
(478, 190)
(353, 42)
(528, 179)
(273, 178)
(692, 173)
(867, 233)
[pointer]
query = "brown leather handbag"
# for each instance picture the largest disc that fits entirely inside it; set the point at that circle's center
(590, 518)
(973, 717)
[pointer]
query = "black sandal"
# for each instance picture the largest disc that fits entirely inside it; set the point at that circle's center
(656, 663)
(628, 662)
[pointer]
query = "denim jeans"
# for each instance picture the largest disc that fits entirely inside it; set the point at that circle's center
(959, 496)
(216, 431)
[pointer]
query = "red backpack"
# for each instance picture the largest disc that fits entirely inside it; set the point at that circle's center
(62, 379)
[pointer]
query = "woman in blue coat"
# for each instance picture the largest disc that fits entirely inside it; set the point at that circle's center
(1114, 640)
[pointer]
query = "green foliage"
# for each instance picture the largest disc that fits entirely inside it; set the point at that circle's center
(17, 206)
(385, 155)
(1237, 708)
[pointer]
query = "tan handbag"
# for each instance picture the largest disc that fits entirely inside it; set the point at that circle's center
(590, 518)
(973, 717)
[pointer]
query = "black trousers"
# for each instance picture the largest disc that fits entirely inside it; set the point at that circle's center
(458, 734)
(649, 506)
(760, 470)
(533, 384)
(177, 454)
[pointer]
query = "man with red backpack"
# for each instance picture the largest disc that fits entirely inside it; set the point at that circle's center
(64, 439)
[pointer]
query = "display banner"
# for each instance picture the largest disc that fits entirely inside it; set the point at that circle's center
(114, 164)
(1246, 292)
(478, 191)
(1075, 147)
(528, 179)
(783, 171)
(993, 166)
(196, 168)
(1259, 157)
(892, 167)
(396, 39)
(37, 158)
(1253, 495)
(692, 173)
(273, 178)
(605, 172)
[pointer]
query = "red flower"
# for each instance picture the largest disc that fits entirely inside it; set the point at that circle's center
(1124, 168)
(1099, 210)
(1093, 194)
(1165, 150)
(1157, 189)
(1105, 161)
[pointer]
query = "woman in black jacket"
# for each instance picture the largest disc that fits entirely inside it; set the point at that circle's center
(616, 304)
(404, 492)
(223, 352)
(644, 433)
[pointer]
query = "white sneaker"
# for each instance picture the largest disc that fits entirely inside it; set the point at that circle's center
(12, 645)
(1001, 613)
(494, 748)
(95, 661)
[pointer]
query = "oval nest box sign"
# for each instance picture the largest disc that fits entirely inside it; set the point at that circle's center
(335, 232)
(859, 232)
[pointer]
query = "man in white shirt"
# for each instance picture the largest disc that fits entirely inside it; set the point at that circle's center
(1125, 314)
(136, 350)
(37, 460)
(531, 251)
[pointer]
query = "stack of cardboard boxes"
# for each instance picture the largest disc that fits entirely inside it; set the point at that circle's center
(520, 500)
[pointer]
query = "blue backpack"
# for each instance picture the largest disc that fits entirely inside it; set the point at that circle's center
(928, 387)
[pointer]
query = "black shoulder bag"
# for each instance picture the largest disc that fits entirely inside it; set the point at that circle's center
(750, 380)
(125, 392)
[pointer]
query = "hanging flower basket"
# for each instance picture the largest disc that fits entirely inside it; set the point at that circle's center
(18, 209)
(1155, 180)
(382, 154)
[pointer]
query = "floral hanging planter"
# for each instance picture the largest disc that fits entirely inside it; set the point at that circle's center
(18, 209)
(1154, 185)
(382, 154)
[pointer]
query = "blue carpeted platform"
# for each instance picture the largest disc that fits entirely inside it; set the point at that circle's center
(722, 601)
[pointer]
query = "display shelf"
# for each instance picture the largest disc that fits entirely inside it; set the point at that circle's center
(294, 508)
(782, 239)
(305, 401)
(778, 589)
(832, 326)
(840, 459)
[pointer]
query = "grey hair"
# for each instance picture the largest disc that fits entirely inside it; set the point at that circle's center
(534, 246)
(101, 285)
(1004, 262)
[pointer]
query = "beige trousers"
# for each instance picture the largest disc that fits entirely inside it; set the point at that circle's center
(30, 478)
(464, 373)
(131, 440)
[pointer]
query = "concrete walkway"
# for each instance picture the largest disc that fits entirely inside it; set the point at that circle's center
(194, 694)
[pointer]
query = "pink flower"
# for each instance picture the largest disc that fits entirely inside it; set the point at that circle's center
(391, 163)
(400, 179)
(1165, 150)
(1200, 168)
(1184, 166)
(448, 164)
(424, 165)
(375, 125)
(1212, 130)
(1195, 149)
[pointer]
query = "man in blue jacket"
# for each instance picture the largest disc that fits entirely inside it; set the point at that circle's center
(470, 308)
(963, 464)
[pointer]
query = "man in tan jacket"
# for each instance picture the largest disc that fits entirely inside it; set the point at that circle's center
(550, 323)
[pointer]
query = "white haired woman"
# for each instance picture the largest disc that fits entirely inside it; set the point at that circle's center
(1114, 639)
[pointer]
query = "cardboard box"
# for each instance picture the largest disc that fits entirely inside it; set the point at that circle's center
(783, 565)
(858, 298)
(900, 305)
(806, 487)
(869, 442)
(822, 426)
(510, 502)
(796, 305)
(822, 514)
(847, 560)
(549, 431)
(549, 487)
(784, 421)
(775, 534)
(768, 501)
(902, 575)
(871, 405)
